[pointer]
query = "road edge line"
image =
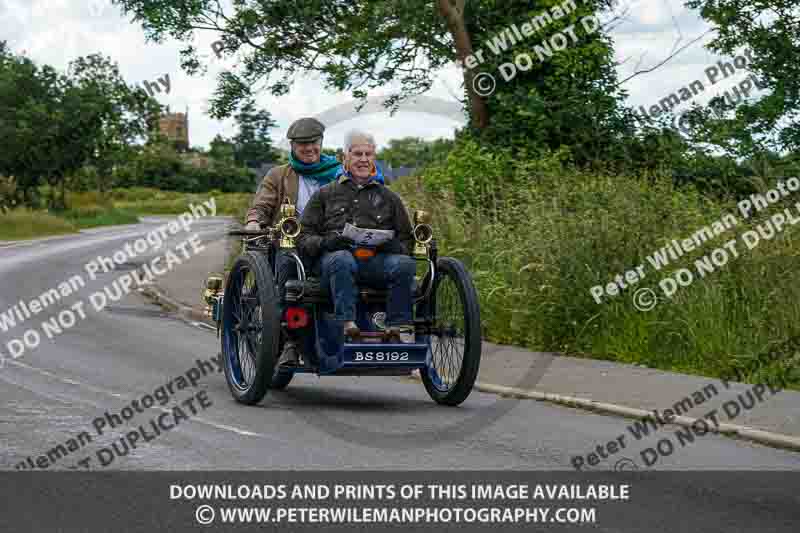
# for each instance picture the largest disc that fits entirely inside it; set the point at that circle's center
(767, 438)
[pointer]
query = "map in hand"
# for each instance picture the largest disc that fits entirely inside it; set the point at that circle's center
(367, 237)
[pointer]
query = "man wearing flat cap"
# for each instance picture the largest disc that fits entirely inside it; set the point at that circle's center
(307, 171)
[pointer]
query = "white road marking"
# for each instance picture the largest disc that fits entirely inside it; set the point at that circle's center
(211, 423)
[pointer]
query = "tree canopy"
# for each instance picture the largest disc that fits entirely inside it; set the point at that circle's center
(89, 128)
(252, 144)
(52, 124)
(771, 30)
(358, 45)
(415, 152)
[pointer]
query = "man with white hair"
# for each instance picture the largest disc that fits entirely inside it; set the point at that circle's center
(359, 197)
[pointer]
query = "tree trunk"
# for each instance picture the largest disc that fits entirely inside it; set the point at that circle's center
(26, 196)
(101, 185)
(453, 13)
(51, 200)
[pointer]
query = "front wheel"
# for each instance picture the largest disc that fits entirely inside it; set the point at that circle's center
(251, 328)
(455, 340)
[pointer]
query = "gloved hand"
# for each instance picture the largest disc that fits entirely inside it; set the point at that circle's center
(333, 243)
(252, 226)
(392, 246)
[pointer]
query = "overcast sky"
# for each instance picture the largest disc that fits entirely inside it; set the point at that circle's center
(57, 31)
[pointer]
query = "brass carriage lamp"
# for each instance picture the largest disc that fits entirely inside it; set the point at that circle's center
(423, 232)
(212, 293)
(289, 225)
(288, 209)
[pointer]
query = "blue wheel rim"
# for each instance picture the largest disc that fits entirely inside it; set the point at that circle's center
(242, 336)
(447, 348)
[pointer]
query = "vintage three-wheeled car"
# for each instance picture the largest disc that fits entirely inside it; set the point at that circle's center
(255, 316)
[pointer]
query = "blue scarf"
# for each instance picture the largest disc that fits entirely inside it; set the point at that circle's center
(324, 172)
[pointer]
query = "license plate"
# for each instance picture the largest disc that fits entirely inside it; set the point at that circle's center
(381, 356)
(392, 354)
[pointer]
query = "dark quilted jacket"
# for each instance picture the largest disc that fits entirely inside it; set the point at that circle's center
(372, 206)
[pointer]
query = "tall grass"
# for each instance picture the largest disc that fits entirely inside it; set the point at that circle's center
(537, 240)
(93, 216)
(18, 224)
(146, 201)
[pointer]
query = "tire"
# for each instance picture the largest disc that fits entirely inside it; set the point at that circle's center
(456, 313)
(281, 380)
(250, 299)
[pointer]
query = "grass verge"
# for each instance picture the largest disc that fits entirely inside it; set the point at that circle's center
(19, 224)
(144, 201)
(94, 216)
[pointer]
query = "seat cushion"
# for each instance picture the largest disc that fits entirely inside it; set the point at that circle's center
(313, 289)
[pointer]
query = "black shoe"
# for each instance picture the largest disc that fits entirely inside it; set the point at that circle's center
(351, 330)
(399, 334)
(289, 358)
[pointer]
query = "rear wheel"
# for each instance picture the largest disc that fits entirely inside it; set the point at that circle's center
(455, 340)
(251, 328)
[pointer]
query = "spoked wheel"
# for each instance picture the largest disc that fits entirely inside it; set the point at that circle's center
(455, 340)
(251, 328)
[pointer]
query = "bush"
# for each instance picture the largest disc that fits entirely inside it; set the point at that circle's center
(8, 194)
(159, 166)
(89, 200)
(85, 179)
(552, 235)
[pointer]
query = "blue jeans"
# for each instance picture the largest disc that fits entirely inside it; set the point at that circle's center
(285, 269)
(341, 271)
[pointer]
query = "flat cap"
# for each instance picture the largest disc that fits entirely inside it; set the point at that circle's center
(305, 130)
